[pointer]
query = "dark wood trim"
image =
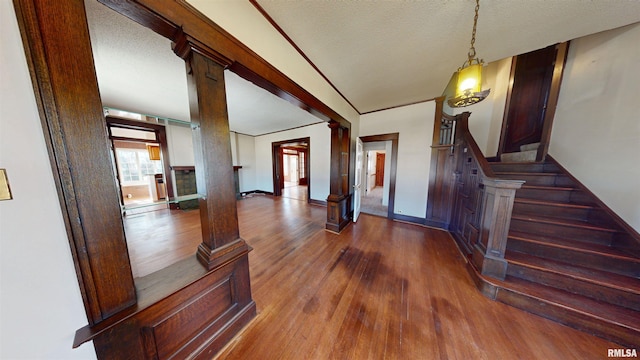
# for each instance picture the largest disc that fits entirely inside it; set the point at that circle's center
(183, 168)
(297, 48)
(441, 176)
(408, 219)
(398, 106)
(318, 202)
(289, 129)
(558, 70)
(339, 199)
(170, 18)
(116, 121)
(122, 138)
(393, 137)
(214, 167)
(74, 128)
(503, 128)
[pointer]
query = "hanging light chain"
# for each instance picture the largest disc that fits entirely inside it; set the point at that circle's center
(472, 50)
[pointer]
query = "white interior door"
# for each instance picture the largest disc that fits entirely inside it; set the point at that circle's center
(357, 193)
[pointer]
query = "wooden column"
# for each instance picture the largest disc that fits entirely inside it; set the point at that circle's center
(221, 240)
(442, 174)
(497, 205)
(58, 52)
(338, 200)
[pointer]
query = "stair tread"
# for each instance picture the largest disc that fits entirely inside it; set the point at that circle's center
(610, 313)
(545, 187)
(555, 203)
(563, 221)
(522, 173)
(574, 245)
(518, 162)
(600, 277)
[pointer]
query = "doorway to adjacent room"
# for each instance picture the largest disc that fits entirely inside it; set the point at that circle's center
(291, 169)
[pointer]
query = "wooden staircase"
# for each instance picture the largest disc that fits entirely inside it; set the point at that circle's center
(569, 259)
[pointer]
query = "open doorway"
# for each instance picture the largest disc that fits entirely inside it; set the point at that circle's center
(291, 169)
(379, 174)
(140, 164)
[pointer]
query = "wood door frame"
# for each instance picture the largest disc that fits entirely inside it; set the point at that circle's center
(277, 167)
(554, 92)
(393, 137)
(161, 138)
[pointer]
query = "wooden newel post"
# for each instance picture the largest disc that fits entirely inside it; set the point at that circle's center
(338, 199)
(221, 240)
(497, 205)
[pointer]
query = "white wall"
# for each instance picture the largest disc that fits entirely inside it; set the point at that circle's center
(40, 302)
(319, 158)
(596, 131)
(247, 24)
(414, 123)
(246, 157)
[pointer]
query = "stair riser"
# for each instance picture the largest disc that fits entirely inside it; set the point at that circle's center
(613, 332)
(575, 196)
(567, 232)
(576, 286)
(538, 179)
(523, 167)
(551, 211)
(585, 259)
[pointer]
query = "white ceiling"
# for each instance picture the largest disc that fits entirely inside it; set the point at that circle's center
(381, 54)
(378, 54)
(138, 72)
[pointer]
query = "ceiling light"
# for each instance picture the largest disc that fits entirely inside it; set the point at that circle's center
(468, 78)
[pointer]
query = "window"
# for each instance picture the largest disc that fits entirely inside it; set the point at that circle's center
(135, 166)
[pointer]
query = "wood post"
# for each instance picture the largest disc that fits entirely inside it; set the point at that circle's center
(495, 218)
(221, 240)
(338, 199)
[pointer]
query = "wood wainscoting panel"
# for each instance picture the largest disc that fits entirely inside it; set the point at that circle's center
(195, 321)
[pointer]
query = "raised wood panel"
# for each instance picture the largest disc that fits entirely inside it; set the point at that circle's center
(195, 321)
(176, 330)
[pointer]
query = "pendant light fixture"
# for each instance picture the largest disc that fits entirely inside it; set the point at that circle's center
(468, 78)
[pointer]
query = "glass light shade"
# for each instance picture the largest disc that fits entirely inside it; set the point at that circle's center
(469, 80)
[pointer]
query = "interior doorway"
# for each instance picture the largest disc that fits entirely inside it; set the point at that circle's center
(291, 169)
(140, 164)
(379, 174)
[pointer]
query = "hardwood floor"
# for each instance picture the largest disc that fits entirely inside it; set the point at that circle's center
(157, 239)
(380, 290)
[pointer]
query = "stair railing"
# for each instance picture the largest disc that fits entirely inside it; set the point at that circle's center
(480, 205)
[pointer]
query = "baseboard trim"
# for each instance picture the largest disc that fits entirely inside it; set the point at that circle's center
(318, 202)
(409, 219)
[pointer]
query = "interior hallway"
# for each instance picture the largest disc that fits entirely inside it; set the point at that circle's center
(381, 289)
(371, 202)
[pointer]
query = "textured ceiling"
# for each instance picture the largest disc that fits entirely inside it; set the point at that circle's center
(378, 54)
(138, 72)
(382, 54)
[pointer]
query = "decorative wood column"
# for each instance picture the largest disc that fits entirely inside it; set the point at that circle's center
(338, 200)
(64, 81)
(221, 240)
(497, 205)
